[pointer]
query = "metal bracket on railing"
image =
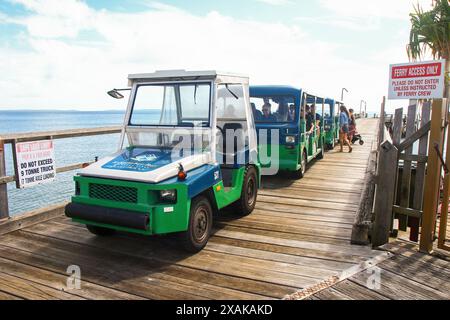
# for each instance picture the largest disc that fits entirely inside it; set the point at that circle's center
(436, 147)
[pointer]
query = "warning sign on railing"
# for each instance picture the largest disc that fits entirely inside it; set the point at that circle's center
(35, 163)
(424, 80)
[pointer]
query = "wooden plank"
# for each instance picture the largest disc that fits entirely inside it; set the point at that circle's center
(414, 157)
(407, 211)
(406, 172)
(385, 194)
(416, 136)
(356, 291)
(59, 282)
(398, 127)
(425, 274)
(8, 296)
(432, 180)
(31, 218)
(59, 134)
(420, 174)
(396, 287)
(4, 208)
(127, 273)
(26, 289)
(257, 269)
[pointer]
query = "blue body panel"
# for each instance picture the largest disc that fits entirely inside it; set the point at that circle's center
(141, 159)
(199, 179)
(287, 128)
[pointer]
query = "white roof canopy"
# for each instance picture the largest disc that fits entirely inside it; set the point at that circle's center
(183, 75)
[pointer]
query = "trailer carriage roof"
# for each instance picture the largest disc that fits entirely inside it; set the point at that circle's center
(274, 90)
(181, 75)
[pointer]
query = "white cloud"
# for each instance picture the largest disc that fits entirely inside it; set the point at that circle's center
(392, 9)
(275, 2)
(62, 72)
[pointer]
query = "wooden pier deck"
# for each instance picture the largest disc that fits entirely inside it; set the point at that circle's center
(298, 236)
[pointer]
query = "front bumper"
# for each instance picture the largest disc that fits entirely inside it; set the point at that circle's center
(110, 216)
(129, 206)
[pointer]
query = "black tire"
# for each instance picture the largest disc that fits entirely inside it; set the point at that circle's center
(100, 231)
(246, 203)
(200, 225)
(299, 174)
(361, 143)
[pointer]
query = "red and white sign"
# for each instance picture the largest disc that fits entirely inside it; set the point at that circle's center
(35, 163)
(424, 80)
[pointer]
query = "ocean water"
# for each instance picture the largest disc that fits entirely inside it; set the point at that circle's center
(67, 151)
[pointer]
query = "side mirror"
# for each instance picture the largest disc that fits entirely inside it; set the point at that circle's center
(115, 94)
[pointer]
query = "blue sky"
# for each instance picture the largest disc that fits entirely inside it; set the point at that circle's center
(50, 49)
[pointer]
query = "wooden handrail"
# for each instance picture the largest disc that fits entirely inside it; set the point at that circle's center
(9, 179)
(33, 136)
(58, 134)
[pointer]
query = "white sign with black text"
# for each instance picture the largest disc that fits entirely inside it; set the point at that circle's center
(35, 163)
(419, 80)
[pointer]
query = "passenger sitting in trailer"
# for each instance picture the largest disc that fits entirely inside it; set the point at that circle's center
(256, 113)
(283, 112)
(291, 116)
(318, 118)
(267, 113)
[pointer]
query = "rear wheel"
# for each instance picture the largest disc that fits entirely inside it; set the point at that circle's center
(100, 231)
(200, 225)
(246, 204)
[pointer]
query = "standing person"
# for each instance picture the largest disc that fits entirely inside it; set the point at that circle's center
(351, 125)
(343, 132)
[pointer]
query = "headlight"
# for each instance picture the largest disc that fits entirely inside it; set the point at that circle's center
(327, 127)
(168, 196)
(290, 139)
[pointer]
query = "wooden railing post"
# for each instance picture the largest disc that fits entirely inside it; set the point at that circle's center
(4, 208)
(386, 177)
(433, 178)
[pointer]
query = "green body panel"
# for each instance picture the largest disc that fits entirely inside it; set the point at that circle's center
(290, 156)
(226, 196)
(147, 203)
(333, 134)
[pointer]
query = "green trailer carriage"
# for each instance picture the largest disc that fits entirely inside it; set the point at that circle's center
(301, 136)
(192, 151)
(331, 122)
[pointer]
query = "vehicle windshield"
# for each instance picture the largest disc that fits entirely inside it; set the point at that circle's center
(274, 109)
(177, 105)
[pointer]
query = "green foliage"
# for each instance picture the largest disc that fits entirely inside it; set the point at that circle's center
(430, 31)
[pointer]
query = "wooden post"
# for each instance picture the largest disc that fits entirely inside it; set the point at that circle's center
(4, 209)
(445, 200)
(381, 124)
(433, 178)
(384, 200)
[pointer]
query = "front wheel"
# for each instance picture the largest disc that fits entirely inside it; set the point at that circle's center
(200, 225)
(246, 203)
(303, 163)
